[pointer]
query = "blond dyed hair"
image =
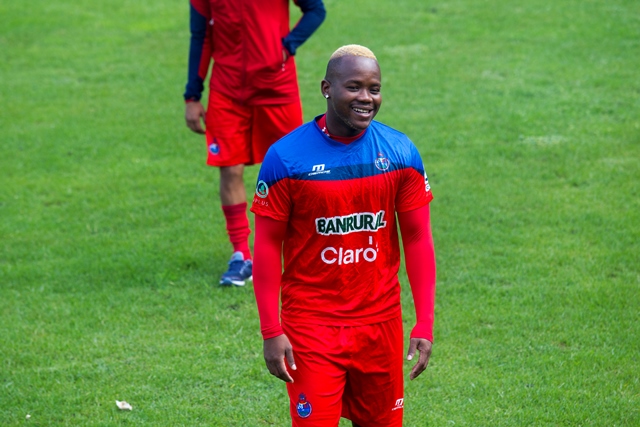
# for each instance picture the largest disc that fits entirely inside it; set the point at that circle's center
(353, 50)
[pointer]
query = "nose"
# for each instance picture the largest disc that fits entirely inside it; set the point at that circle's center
(365, 95)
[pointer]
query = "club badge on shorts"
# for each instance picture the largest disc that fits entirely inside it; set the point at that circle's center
(303, 407)
(214, 148)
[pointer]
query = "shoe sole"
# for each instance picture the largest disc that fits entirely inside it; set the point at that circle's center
(231, 282)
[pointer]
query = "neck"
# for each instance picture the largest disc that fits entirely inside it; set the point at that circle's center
(322, 123)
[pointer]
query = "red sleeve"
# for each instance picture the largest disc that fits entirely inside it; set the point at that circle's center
(267, 271)
(420, 260)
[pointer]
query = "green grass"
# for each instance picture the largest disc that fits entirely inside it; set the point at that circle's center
(527, 115)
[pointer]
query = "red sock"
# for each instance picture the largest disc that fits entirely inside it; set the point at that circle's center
(238, 228)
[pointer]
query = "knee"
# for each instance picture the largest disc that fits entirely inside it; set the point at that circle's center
(231, 173)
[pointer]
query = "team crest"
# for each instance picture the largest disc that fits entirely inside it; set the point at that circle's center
(214, 148)
(262, 189)
(382, 163)
(303, 407)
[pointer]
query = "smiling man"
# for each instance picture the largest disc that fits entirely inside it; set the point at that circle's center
(327, 196)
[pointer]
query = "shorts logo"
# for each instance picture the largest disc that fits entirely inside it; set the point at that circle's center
(399, 404)
(214, 148)
(427, 187)
(262, 189)
(303, 407)
(382, 163)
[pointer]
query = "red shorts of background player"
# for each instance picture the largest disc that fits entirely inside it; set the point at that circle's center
(349, 371)
(238, 134)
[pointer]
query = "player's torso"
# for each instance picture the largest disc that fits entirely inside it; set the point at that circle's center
(247, 51)
(341, 249)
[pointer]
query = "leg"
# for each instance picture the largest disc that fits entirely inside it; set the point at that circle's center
(232, 191)
(227, 135)
(374, 394)
(234, 205)
(315, 396)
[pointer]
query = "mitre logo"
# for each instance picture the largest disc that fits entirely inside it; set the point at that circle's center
(353, 223)
(319, 170)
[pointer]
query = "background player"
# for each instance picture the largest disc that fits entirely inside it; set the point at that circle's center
(253, 99)
(328, 194)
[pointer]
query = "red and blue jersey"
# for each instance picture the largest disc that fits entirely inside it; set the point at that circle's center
(245, 39)
(341, 249)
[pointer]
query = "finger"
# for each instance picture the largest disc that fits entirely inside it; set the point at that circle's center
(283, 374)
(192, 124)
(201, 120)
(413, 345)
(288, 353)
(421, 365)
(416, 371)
(279, 370)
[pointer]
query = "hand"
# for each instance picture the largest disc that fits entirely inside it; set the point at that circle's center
(275, 351)
(424, 347)
(194, 115)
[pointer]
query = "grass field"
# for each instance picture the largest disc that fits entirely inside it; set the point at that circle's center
(527, 115)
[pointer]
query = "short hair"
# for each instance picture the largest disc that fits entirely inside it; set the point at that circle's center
(353, 50)
(347, 50)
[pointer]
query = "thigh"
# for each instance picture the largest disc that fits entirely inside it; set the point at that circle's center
(374, 393)
(228, 131)
(318, 382)
(270, 123)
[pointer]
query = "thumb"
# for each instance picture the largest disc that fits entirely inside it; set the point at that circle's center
(288, 354)
(413, 345)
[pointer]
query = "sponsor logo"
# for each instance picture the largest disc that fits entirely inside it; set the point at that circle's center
(303, 407)
(214, 148)
(399, 404)
(260, 202)
(353, 223)
(262, 189)
(331, 255)
(382, 163)
(427, 187)
(318, 170)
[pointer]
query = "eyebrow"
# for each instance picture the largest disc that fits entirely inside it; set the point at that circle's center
(359, 82)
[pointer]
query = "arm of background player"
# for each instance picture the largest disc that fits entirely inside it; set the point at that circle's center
(313, 13)
(420, 261)
(199, 59)
(267, 272)
(199, 49)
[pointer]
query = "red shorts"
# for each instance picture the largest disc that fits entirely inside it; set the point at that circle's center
(239, 134)
(349, 371)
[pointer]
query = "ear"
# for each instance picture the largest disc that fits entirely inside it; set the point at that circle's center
(325, 88)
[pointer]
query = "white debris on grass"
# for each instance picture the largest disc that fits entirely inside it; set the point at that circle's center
(123, 406)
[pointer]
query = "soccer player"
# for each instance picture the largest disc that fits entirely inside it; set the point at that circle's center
(328, 195)
(253, 97)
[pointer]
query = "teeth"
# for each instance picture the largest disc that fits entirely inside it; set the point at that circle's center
(360, 110)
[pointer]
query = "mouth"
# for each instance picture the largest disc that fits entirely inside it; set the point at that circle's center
(365, 112)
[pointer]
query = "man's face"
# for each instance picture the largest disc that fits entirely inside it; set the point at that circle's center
(354, 95)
